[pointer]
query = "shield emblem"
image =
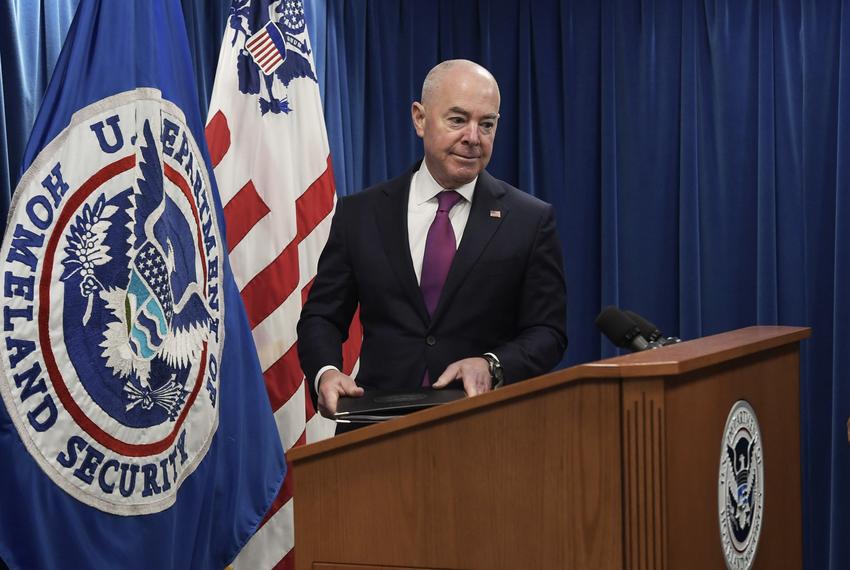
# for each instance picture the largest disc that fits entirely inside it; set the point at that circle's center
(149, 305)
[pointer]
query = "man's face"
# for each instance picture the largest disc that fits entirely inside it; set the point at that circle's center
(457, 124)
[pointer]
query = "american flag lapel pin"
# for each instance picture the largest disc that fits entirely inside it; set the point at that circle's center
(495, 213)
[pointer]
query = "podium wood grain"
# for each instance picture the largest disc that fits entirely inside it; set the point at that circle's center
(612, 464)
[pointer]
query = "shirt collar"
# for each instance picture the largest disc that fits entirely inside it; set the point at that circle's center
(425, 188)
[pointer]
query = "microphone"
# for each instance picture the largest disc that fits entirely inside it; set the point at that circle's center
(650, 332)
(620, 329)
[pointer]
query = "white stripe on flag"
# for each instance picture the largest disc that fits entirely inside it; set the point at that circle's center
(281, 154)
(258, 37)
(276, 333)
(310, 249)
(262, 46)
(271, 543)
(291, 418)
(319, 428)
(263, 244)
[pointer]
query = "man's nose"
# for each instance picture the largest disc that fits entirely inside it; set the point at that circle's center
(470, 133)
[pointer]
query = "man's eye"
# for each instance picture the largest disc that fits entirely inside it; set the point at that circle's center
(456, 120)
(487, 127)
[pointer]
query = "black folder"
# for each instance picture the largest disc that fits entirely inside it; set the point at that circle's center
(381, 405)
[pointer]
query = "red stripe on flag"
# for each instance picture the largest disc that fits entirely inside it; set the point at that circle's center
(288, 561)
(262, 45)
(351, 347)
(310, 410)
(257, 38)
(261, 56)
(305, 292)
(218, 137)
(242, 213)
(316, 203)
(271, 65)
(270, 59)
(262, 51)
(283, 377)
(308, 399)
(271, 286)
(265, 53)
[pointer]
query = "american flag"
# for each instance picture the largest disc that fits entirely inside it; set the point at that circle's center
(276, 183)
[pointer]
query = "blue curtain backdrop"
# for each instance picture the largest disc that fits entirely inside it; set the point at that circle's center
(696, 152)
(29, 47)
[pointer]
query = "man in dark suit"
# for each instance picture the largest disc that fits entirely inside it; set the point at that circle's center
(458, 275)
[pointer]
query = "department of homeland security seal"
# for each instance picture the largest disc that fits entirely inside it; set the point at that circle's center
(740, 496)
(112, 311)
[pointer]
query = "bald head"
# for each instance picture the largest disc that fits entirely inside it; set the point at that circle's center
(457, 120)
(451, 70)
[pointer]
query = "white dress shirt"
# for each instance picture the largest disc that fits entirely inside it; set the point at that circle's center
(421, 209)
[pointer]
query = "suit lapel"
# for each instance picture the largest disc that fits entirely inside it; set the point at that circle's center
(391, 216)
(480, 228)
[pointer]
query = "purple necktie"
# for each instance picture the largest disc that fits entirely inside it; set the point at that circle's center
(440, 248)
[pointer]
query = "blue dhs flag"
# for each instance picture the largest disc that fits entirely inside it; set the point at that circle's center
(135, 429)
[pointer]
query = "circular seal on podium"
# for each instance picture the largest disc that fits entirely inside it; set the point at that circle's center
(740, 491)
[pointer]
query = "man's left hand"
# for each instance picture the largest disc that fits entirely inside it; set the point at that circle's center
(474, 372)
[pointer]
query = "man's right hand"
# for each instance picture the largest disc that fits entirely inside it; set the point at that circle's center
(332, 385)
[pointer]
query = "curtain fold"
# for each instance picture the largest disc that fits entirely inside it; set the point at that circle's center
(205, 25)
(29, 48)
(836, 434)
(696, 154)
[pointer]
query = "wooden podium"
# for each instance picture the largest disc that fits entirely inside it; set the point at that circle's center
(612, 464)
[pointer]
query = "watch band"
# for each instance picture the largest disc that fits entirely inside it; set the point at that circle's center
(496, 373)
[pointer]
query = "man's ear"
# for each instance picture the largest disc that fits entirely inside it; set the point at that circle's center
(417, 112)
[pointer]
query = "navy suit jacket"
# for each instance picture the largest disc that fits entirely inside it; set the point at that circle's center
(504, 293)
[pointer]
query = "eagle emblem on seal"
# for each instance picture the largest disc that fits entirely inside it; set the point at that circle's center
(147, 325)
(275, 49)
